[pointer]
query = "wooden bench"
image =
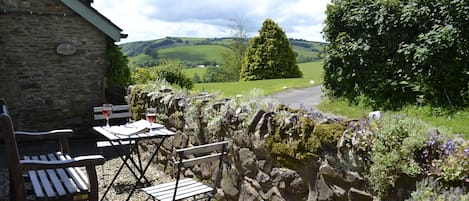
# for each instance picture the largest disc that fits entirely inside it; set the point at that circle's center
(54, 176)
(118, 112)
(186, 188)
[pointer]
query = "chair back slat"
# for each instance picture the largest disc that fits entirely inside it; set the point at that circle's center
(202, 159)
(202, 149)
(118, 112)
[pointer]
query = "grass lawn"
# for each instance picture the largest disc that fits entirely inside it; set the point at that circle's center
(312, 71)
(190, 72)
(457, 123)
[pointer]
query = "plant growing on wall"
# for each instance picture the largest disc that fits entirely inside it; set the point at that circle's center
(397, 141)
(118, 72)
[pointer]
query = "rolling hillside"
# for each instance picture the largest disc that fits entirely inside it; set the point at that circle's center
(201, 51)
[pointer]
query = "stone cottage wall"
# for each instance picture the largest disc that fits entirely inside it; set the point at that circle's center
(52, 65)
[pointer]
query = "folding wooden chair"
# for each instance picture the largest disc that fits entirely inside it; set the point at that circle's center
(186, 188)
(119, 112)
(54, 176)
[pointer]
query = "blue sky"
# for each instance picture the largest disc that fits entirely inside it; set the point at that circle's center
(153, 19)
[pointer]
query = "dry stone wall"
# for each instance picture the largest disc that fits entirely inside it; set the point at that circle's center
(250, 171)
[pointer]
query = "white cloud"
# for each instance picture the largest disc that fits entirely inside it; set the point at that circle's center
(148, 19)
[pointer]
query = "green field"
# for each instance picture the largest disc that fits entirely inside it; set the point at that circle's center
(197, 51)
(190, 72)
(198, 54)
(312, 71)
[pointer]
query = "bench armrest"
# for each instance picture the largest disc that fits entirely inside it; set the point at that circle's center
(80, 161)
(61, 135)
(53, 134)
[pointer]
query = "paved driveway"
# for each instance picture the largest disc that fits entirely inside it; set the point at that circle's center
(308, 97)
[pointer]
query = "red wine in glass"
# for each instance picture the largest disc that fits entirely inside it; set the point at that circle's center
(150, 115)
(107, 110)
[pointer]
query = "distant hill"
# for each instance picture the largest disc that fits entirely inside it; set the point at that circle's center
(202, 51)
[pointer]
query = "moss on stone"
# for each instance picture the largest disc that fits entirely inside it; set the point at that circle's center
(329, 134)
(288, 151)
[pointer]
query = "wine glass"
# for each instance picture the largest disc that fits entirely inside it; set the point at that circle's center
(150, 115)
(107, 110)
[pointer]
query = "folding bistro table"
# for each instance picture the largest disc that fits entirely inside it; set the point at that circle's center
(134, 132)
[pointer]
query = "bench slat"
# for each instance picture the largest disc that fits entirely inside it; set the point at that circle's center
(53, 177)
(82, 174)
(35, 181)
(44, 181)
(64, 177)
(74, 174)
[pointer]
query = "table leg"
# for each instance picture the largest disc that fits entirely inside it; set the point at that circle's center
(142, 175)
(124, 158)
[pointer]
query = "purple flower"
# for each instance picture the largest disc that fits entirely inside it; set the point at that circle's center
(449, 147)
(466, 151)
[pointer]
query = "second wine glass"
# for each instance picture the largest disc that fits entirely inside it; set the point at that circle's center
(150, 115)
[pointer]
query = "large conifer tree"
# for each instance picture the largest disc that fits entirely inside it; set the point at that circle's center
(269, 55)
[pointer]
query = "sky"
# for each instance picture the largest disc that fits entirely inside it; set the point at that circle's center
(154, 19)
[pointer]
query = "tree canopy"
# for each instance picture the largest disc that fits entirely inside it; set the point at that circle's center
(269, 55)
(395, 52)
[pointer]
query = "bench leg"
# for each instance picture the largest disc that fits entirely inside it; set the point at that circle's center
(91, 170)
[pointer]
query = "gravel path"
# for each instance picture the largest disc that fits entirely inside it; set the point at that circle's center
(307, 98)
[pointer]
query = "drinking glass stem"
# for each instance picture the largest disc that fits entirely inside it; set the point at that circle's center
(107, 122)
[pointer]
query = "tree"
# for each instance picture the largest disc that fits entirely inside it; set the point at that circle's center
(269, 55)
(234, 56)
(396, 52)
(171, 71)
(215, 74)
(151, 52)
(197, 78)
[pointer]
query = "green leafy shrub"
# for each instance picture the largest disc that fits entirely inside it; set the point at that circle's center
(144, 75)
(171, 71)
(413, 48)
(432, 189)
(393, 154)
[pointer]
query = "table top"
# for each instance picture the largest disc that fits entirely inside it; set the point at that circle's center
(133, 131)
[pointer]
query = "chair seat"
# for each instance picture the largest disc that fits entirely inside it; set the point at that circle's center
(49, 184)
(186, 188)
